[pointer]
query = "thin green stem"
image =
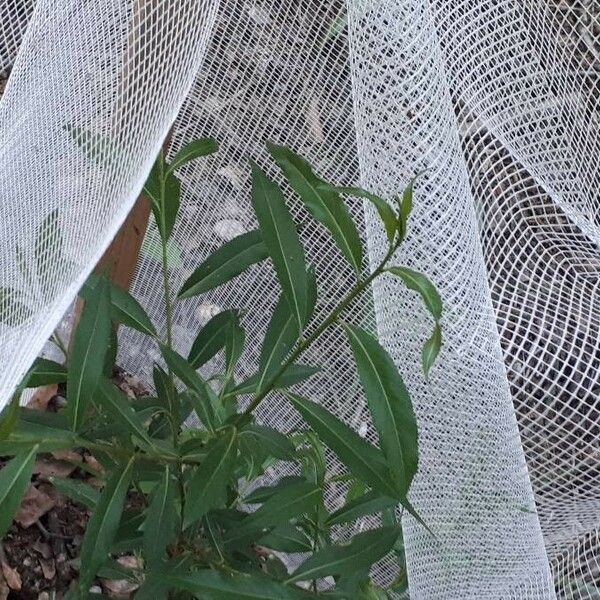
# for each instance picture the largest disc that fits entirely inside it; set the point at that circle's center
(307, 342)
(60, 344)
(174, 409)
(165, 267)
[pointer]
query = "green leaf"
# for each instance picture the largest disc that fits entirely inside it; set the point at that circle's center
(291, 376)
(207, 488)
(152, 249)
(368, 504)
(103, 526)
(389, 404)
(125, 308)
(97, 147)
(234, 342)
(193, 150)
(48, 252)
(281, 238)
(224, 264)
(10, 416)
(45, 372)
(263, 493)
(272, 441)
(90, 344)
(208, 583)
(164, 191)
(78, 491)
(405, 206)
(363, 550)
(13, 311)
(161, 525)
(386, 213)
(323, 203)
(431, 349)
(211, 339)
(362, 459)
(167, 393)
(291, 501)
(128, 311)
(286, 538)
(419, 283)
(202, 391)
(122, 411)
(14, 479)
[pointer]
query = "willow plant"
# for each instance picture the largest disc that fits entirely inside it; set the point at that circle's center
(198, 530)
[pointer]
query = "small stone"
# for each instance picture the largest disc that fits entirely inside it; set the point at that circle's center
(206, 311)
(227, 229)
(259, 15)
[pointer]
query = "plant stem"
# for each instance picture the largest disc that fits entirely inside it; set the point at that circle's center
(356, 290)
(60, 344)
(174, 409)
(165, 268)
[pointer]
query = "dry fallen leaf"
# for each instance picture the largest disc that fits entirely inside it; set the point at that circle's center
(11, 576)
(34, 505)
(4, 589)
(48, 567)
(41, 397)
(122, 588)
(50, 467)
(42, 548)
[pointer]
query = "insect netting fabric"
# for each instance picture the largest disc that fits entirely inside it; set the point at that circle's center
(497, 101)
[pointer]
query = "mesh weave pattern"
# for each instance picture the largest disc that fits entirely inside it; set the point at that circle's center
(498, 99)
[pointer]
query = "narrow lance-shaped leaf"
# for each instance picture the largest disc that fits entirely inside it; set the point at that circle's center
(201, 389)
(292, 375)
(211, 339)
(389, 404)
(160, 527)
(386, 213)
(405, 206)
(48, 253)
(125, 308)
(419, 283)
(286, 538)
(239, 586)
(431, 349)
(275, 443)
(283, 333)
(344, 559)
(78, 491)
(224, 264)
(120, 408)
(103, 526)
(164, 191)
(362, 459)
(193, 150)
(207, 488)
(291, 501)
(324, 203)
(45, 372)
(281, 238)
(9, 417)
(14, 479)
(367, 504)
(234, 342)
(90, 345)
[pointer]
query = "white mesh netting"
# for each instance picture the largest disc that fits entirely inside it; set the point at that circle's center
(500, 99)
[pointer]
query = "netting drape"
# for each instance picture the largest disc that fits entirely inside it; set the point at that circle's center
(498, 99)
